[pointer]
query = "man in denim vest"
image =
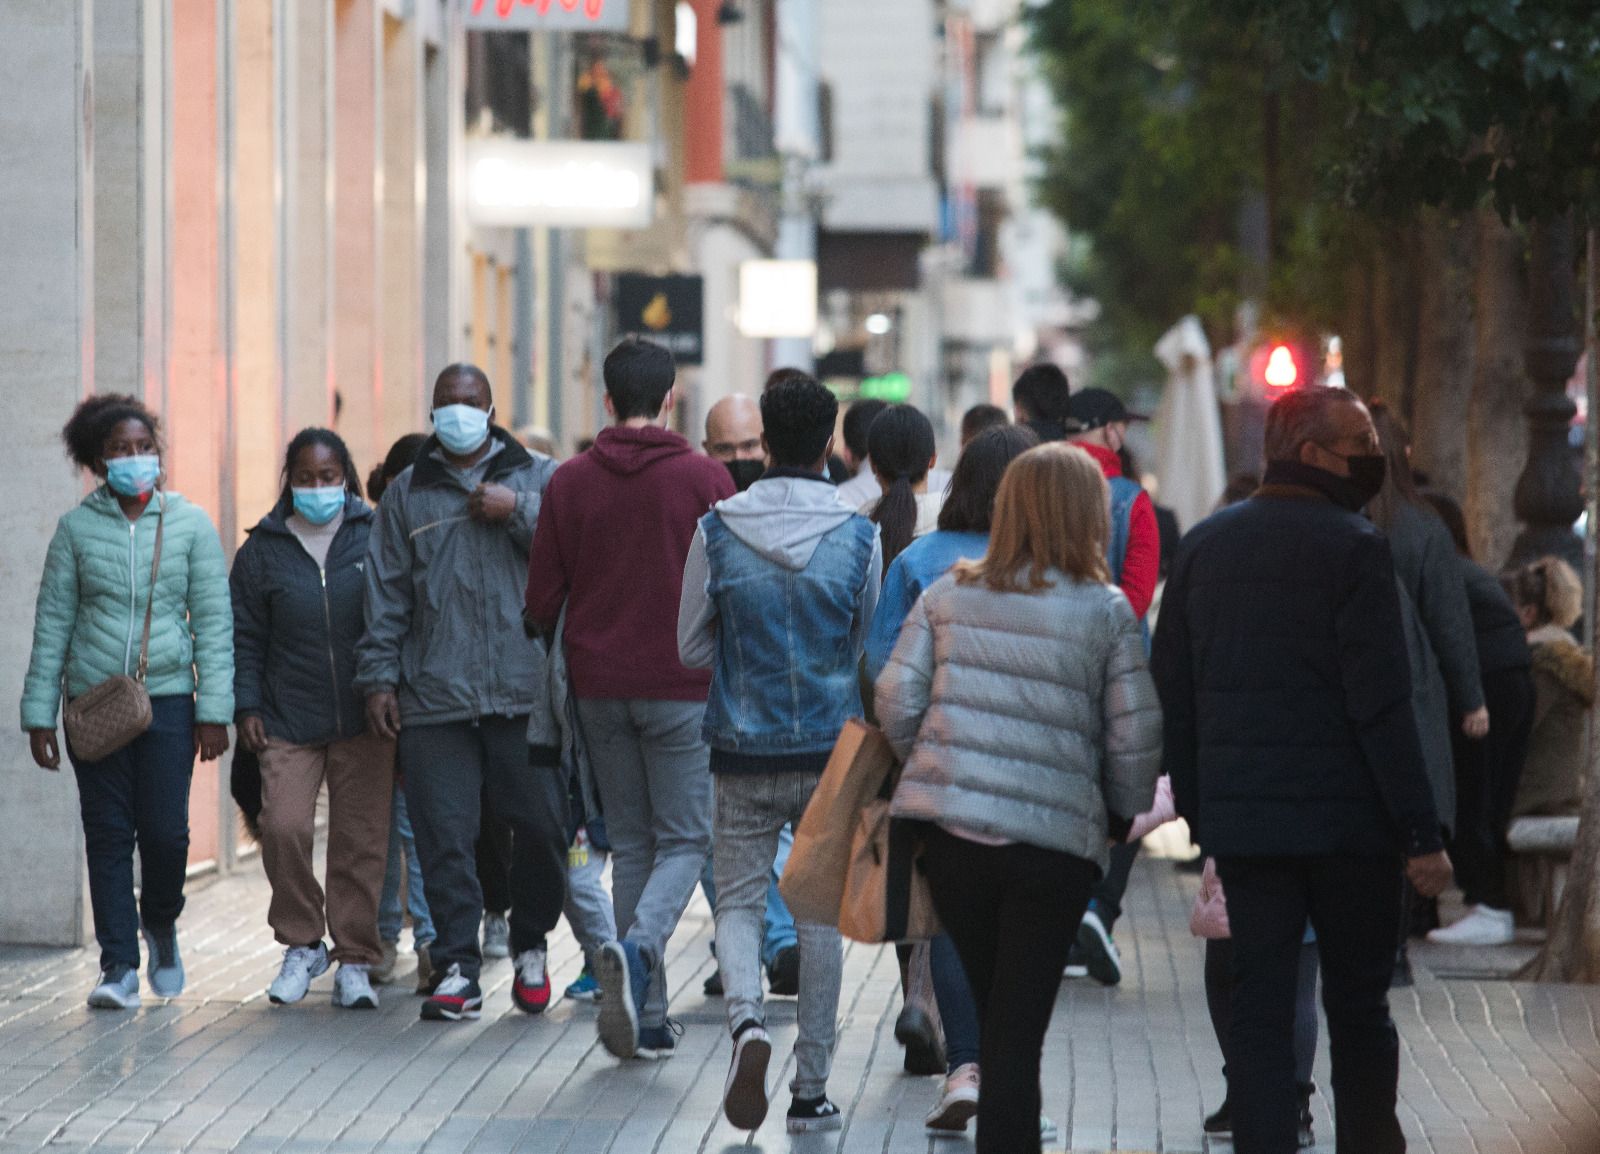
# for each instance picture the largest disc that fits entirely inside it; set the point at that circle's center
(1134, 555)
(778, 593)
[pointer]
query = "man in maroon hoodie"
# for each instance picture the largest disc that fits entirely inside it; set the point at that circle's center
(614, 532)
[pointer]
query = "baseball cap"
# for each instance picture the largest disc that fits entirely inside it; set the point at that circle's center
(1097, 408)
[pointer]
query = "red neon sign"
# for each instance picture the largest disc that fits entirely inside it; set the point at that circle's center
(593, 9)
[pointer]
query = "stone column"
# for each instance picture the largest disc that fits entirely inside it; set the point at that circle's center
(1549, 493)
(47, 330)
(357, 135)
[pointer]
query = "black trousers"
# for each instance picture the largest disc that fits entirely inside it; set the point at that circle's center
(1219, 1001)
(1012, 912)
(1487, 774)
(1353, 903)
(494, 857)
(1108, 891)
(448, 768)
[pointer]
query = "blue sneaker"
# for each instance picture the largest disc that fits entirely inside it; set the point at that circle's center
(585, 989)
(118, 989)
(166, 966)
(658, 1043)
(626, 978)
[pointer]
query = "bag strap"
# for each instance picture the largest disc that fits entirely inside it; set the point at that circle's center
(150, 603)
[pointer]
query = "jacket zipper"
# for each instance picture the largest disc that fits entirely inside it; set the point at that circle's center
(333, 663)
(133, 594)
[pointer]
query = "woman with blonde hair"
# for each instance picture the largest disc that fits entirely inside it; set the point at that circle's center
(1019, 696)
(1549, 599)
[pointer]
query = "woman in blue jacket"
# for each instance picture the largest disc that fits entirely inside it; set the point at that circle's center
(93, 600)
(298, 588)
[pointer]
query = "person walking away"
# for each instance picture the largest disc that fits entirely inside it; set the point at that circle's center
(1015, 833)
(402, 861)
(298, 586)
(1042, 398)
(1446, 685)
(1303, 775)
(1549, 599)
(1134, 556)
(962, 535)
(903, 456)
(733, 436)
(978, 418)
(864, 485)
(782, 687)
(1488, 769)
(639, 710)
(450, 672)
(105, 609)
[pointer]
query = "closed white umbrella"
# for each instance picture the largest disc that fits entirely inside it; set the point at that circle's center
(1189, 425)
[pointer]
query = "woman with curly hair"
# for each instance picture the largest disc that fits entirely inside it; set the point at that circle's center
(101, 580)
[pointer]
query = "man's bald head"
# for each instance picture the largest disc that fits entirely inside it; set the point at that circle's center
(733, 429)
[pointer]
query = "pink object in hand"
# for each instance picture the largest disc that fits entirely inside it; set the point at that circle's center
(1163, 811)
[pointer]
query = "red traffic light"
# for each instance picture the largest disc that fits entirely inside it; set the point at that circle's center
(1281, 371)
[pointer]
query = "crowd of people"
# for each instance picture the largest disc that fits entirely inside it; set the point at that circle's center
(507, 670)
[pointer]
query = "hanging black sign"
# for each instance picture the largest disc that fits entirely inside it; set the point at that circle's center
(669, 310)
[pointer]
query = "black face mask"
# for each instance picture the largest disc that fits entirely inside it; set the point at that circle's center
(745, 473)
(1368, 471)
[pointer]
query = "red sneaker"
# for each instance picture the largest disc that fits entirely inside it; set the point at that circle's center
(530, 989)
(456, 997)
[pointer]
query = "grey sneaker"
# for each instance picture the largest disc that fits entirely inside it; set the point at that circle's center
(352, 988)
(496, 936)
(118, 989)
(300, 965)
(383, 972)
(165, 969)
(425, 980)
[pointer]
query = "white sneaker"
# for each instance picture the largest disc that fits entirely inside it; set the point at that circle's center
(958, 1105)
(1482, 927)
(352, 988)
(118, 989)
(300, 965)
(496, 936)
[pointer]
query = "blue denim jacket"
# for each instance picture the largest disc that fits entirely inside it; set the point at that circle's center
(779, 590)
(919, 565)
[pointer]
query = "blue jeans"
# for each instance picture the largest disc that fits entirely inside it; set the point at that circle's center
(777, 926)
(138, 796)
(957, 1010)
(390, 915)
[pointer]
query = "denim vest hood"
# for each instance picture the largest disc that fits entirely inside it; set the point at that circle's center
(788, 564)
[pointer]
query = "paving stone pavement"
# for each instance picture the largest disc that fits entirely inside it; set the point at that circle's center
(1489, 1067)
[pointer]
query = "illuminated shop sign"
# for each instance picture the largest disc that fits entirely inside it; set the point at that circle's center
(545, 15)
(559, 183)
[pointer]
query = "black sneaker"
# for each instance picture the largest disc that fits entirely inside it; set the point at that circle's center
(713, 986)
(456, 998)
(1099, 951)
(914, 1030)
(783, 976)
(1220, 1124)
(744, 1094)
(1308, 1137)
(809, 1115)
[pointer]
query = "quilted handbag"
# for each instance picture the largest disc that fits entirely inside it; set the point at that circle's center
(110, 716)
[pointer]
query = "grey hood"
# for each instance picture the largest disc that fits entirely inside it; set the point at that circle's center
(784, 518)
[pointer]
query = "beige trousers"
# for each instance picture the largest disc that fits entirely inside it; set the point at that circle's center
(360, 776)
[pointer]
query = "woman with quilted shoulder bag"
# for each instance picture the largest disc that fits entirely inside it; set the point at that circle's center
(135, 630)
(1019, 697)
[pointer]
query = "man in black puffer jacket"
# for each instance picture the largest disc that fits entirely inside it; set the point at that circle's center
(1294, 755)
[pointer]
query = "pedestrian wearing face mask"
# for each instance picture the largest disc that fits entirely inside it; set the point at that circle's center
(298, 585)
(733, 436)
(449, 670)
(106, 608)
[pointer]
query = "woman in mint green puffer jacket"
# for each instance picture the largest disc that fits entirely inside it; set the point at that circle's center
(87, 629)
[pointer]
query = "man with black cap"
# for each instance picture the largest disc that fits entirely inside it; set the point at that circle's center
(1134, 556)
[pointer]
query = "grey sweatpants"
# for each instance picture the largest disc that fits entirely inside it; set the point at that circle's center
(751, 810)
(652, 770)
(588, 907)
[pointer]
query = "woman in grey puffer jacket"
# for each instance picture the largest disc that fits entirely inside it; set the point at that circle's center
(1019, 696)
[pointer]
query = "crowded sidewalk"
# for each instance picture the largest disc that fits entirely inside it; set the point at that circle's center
(1488, 1066)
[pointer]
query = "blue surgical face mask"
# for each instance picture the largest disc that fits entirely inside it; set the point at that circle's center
(133, 476)
(462, 429)
(321, 505)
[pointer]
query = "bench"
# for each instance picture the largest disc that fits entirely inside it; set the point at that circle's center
(1542, 849)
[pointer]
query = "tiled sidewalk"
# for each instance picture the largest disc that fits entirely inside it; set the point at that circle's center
(1489, 1066)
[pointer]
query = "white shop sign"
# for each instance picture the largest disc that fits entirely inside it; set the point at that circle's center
(560, 183)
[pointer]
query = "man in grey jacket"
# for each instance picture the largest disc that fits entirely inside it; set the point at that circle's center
(450, 672)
